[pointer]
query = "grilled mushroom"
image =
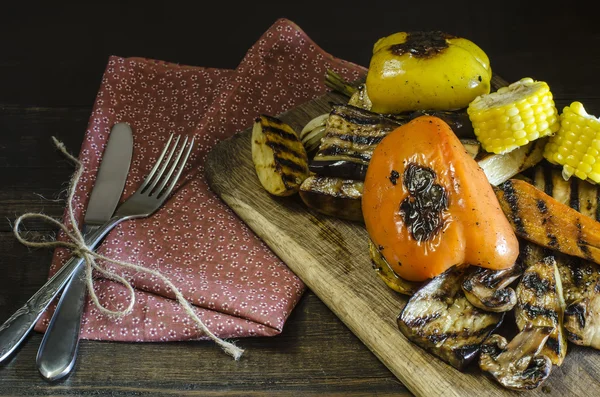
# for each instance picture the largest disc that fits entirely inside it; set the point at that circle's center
(489, 289)
(440, 319)
(581, 287)
(517, 365)
(540, 303)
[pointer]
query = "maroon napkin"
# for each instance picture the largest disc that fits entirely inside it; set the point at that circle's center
(237, 285)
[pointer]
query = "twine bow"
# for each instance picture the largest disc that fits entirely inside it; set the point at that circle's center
(79, 248)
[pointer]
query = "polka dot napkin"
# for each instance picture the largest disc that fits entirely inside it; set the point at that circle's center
(238, 287)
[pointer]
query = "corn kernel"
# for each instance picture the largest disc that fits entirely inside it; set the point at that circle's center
(514, 115)
(588, 159)
(576, 145)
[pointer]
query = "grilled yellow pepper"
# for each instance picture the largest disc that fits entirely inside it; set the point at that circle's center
(426, 71)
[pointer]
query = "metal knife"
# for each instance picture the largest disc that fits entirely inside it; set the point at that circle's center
(58, 350)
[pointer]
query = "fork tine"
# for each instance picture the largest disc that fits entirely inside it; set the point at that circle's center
(181, 166)
(153, 171)
(160, 173)
(171, 170)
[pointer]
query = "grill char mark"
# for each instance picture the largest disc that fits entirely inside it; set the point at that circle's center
(291, 164)
(535, 311)
(534, 282)
(288, 136)
(511, 198)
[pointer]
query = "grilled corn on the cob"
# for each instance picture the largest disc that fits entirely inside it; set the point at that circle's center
(576, 146)
(513, 116)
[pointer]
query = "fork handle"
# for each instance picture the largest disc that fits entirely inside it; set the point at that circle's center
(15, 329)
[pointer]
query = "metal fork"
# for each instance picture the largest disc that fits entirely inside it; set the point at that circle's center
(146, 200)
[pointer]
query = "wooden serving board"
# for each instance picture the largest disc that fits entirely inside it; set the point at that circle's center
(331, 256)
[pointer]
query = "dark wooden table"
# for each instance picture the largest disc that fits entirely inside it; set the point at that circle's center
(51, 60)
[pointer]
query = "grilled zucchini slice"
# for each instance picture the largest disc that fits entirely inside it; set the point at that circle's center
(279, 157)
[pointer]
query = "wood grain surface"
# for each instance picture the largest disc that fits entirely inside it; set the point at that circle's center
(331, 256)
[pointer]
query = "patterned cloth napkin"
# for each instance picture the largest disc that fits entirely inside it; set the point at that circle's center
(238, 287)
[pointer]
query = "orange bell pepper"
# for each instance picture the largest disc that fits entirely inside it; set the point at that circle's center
(428, 206)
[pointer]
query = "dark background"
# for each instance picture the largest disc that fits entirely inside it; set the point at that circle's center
(52, 56)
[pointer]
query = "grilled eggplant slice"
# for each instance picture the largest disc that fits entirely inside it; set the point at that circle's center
(351, 134)
(517, 365)
(540, 303)
(279, 158)
(388, 275)
(580, 278)
(489, 289)
(541, 219)
(440, 319)
(336, 197)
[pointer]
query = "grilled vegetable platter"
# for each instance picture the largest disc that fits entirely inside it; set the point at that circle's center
(479, 198)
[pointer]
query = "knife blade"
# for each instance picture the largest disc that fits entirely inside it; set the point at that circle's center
(58, 351)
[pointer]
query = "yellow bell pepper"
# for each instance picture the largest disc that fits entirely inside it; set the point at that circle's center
(426, 71)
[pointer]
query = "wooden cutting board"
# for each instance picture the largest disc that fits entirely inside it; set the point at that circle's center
(331, 256)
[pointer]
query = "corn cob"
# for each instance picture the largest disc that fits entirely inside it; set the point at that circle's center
(513, 116)
(576, 146)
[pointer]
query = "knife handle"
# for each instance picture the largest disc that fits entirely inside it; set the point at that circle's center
(15, 329)
(58, 350)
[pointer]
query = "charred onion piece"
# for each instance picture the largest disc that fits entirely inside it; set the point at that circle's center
(500, 167)
(386, 273)
(440, 319)
(517, 365)
(489, 289)
(313, 132)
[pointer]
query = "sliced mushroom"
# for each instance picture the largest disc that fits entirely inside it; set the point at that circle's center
(440, 319)
(582, 322)
(581, 288)
(489, 289)
(540, 303)
(517, 365)
(387, 274)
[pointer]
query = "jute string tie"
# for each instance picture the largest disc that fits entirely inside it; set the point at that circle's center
(78, 248)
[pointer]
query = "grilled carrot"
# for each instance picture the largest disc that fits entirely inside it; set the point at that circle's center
(541, 219)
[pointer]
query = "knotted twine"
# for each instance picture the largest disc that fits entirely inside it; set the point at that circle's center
(80, 249)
